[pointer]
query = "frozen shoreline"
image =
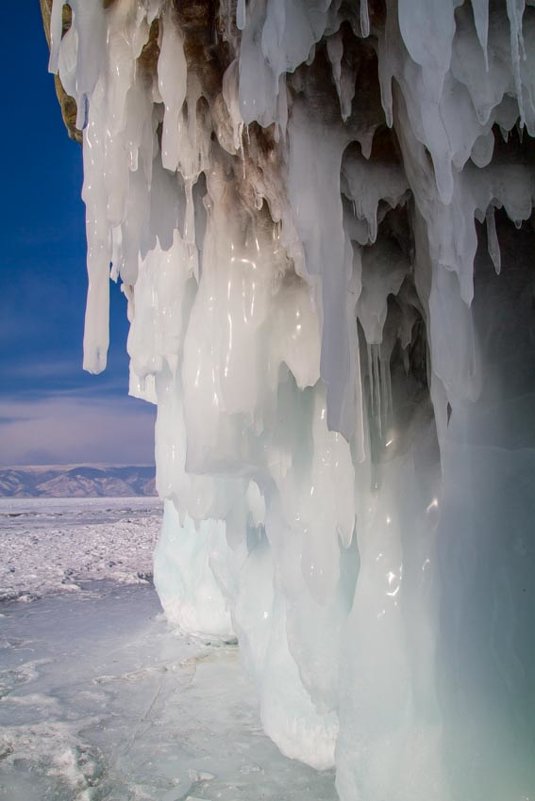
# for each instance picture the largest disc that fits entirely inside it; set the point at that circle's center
(101, 701)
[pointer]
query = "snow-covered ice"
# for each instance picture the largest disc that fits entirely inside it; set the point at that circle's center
(51, 545)
(101, 701)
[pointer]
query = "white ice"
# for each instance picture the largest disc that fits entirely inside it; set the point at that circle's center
(100, 699)
(343, 381)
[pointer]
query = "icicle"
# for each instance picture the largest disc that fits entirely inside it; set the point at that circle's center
(335, 51)
(172, 83)
(116, 252)
(515, 12)
(493, 243)
(481, 19)
(364, 19)
(376, 383)
(386, 394)
(56, 17)
(230, 93)
(241, 15)
(189, 229)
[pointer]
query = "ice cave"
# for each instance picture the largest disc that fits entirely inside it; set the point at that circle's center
(321, 216)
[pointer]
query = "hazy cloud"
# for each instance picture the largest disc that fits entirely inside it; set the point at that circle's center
(67, 430)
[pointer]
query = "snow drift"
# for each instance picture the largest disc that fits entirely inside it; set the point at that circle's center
(321, 215)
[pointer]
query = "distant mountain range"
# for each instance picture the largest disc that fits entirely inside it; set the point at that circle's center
(76, 481)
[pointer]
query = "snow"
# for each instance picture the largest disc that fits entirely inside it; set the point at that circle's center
(343, 381)
(51, 545)
(100, 699)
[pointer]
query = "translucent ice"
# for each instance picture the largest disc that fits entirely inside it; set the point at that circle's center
(309, 204)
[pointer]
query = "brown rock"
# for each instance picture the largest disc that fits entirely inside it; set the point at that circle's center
(66, 102)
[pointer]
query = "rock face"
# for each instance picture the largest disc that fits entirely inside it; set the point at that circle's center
(321, 213)
(67, 103)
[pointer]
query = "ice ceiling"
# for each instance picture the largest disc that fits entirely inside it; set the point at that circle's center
(321, 215)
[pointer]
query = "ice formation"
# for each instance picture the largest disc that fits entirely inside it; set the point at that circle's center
(321, 213)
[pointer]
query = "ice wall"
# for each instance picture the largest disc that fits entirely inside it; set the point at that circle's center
(321, 215)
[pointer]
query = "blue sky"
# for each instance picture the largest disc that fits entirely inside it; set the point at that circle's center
(50, 410)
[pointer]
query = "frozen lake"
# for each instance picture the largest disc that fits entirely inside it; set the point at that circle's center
(50, 545)
(99, 698)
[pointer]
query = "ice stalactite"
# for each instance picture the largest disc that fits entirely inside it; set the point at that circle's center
(293, 194)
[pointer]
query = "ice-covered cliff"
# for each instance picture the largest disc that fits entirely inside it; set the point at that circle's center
(321, 215)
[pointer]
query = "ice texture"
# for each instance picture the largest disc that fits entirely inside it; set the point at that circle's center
(322, 216)
(111, 704)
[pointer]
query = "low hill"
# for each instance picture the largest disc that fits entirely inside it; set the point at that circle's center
(76, 481)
